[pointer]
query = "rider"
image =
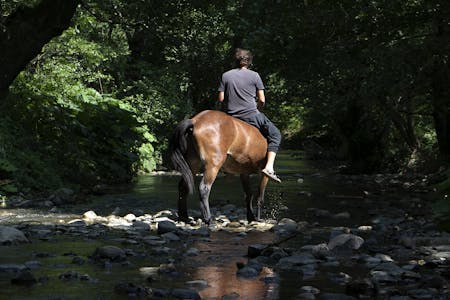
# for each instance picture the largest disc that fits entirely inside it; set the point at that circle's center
(238, 90)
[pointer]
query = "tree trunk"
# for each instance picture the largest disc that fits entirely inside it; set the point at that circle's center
(440, 79)
(26, 31)
(441, 116)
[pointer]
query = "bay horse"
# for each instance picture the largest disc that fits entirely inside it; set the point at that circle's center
(213, 141)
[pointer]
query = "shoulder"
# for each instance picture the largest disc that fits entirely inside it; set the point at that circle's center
(229, 72)
(253, 74)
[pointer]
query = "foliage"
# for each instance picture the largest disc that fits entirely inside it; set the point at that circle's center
(365, 80)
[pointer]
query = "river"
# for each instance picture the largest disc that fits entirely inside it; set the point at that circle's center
(309, 194)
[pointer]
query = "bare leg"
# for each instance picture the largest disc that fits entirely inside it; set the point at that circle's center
(245, 180)
(268, 169)
(270, 161)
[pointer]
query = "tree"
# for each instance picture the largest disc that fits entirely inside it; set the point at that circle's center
(26, 30)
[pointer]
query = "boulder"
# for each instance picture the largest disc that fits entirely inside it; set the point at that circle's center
(11, 235)
(166, 226)
(110, 252)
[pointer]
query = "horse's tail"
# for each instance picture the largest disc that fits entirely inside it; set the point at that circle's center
(178, 147)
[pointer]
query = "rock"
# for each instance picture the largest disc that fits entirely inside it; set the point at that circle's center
(133, 291)
(322, 213)
(306, 296)
(166, 226)
(232, 295)
(247, 272)
(434, 282)
(185, 294)
(78, 261)
(24, 278)
(110, 252)
(164, 214)
(11, 235)
(407, 242)
(421, 294)
(12, 268)
(139, 225)
(372, 262)
(90, 215)
(255, 264)
(278, 254)
(228, 208)
(69, 275)
(202, 231)
(149, 271)
(365, 228)
(130, 218)
(154, 240)
(340, 278)
(360, 287)
(287, 224)
(162, 250)
(382, 277)
(386, 273)
(192, 252)
(308, 271)
(342, 216)
(335, 231)
(320, 251)
(271, 280)
(255, 250)
(310, 289)
(114, 221)
(77, 223)
(197, 284)
(334, 296)
(234, 224)
(167, 268)
(170, 236)
(33, 264)
(297, 260)
(345, 243)
(390, 268)
(384, 257)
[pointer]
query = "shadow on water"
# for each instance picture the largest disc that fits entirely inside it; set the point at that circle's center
(303, 187)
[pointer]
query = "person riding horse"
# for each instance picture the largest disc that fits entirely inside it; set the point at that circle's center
(238, 90)
(214, 141)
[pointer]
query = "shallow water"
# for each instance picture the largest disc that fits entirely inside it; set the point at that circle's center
(303, 187)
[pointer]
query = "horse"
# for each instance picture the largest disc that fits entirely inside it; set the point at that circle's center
(210, 142)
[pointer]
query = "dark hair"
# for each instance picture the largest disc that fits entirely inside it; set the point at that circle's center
(243, 58)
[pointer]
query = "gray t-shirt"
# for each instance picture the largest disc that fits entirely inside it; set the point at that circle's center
(240, 86)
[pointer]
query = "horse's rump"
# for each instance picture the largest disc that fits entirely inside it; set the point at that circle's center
(229, 143)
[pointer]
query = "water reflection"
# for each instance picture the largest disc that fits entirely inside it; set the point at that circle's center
(223, 281)
(217, 265)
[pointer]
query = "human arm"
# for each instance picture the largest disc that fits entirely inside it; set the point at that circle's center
(220, 99)
(221, 96)
(261, 99)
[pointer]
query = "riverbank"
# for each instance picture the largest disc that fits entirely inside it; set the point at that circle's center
(325, 236)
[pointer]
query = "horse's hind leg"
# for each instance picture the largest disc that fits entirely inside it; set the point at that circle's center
(209, 176)
(261, 191)
(245, 180)
(183, 191)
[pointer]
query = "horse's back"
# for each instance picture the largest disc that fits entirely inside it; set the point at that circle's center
(228, 143)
